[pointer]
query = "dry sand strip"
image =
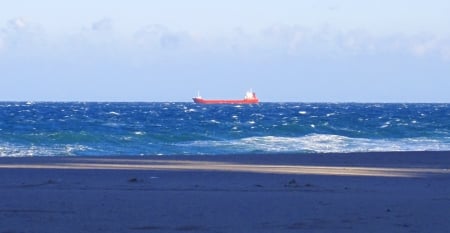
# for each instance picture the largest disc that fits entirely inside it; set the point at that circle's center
(360, 192)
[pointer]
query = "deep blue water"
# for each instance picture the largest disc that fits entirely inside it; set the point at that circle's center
(63, 129)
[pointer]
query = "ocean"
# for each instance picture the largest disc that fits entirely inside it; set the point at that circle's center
(105, 129)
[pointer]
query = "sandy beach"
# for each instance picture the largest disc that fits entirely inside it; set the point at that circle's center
(360, 192)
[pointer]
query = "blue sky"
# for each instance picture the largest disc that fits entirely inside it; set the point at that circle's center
(306, 51)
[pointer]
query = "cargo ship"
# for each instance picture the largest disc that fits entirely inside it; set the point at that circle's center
(250, 98)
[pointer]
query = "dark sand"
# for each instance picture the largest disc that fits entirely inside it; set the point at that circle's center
(361, 192)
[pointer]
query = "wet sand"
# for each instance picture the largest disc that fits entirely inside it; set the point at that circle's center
(360, 192)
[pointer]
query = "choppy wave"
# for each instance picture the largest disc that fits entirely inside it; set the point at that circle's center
(315, 143)
(77, 129)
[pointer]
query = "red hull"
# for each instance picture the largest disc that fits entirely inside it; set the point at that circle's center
(244, 101)
(250, 98)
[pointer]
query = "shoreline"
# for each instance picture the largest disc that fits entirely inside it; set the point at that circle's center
(335, 192)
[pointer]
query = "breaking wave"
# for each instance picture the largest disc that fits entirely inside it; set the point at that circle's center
(320, 143)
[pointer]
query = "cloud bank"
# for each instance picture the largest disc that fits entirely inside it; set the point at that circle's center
(287, 40)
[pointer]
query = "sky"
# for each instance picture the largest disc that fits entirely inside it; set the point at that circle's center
(290, 50)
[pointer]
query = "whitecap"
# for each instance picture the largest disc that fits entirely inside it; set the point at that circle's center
(386, 124)
(126, 138)
(302, 112)
(114, 113)
(259, 115)
(190, 110)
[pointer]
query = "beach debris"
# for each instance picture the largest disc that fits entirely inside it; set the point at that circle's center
(404, 225)
(50, 181)
(190, 228)
(297, 226)
(292, 184)
(148, 228)
(133, 180)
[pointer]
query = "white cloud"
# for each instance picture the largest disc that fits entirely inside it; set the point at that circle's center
(157, 36)
(358, 42)
(21, 36)
(17, 23)
(150, 35)
(102, 25)
(97, 39)
(329, 42)
(21, 25)
(326, 41)
(445, 52)
(428, 45)
(421, 49)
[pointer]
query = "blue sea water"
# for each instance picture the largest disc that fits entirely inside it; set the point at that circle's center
(79, 129)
